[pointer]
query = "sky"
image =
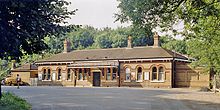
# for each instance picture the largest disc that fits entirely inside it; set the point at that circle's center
(96, 13)
(100, 14)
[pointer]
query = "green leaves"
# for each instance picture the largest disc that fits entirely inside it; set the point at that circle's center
(25, 23)
(201, 23)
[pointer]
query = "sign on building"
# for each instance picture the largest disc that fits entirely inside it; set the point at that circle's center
(40, 77)
(146, 76)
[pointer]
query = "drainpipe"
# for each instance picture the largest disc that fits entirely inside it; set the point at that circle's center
(173, 70)
(173, 79)
(119, 76)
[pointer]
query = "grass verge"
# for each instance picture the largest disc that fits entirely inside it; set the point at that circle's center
(11, 102)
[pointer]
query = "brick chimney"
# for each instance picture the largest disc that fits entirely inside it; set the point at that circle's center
(13, 64)
(156, 40)
(129, 42)
(66, 46)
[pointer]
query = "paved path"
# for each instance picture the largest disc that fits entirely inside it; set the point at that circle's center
(70, 98)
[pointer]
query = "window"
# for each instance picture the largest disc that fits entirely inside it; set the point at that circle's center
(103, 72)
(114, 73)
(108, 74)
(80, 75)
(68, 74)
(59, 74)
(44, 74)
(154, 73)
(48, 74)
(161, 74)
(139, 74)
(84, 74)
(89, 74)
(128, 74)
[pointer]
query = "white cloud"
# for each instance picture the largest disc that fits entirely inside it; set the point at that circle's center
(97, 13)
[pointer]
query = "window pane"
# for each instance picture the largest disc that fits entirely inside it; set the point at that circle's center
(89, 72)
(59, 74)
(114, 74)
(154, 73)
(161, 73)
(128, 74)
(84, 74)
(68, 74)
(103, 72)
(114, 70)
(108, 74)
(139, 74)
(48, 74)
(127, 70)
(44, 74)
(80, 74)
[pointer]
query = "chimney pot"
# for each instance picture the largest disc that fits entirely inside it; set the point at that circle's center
(66, 46)
(129, 42)
(156, 39)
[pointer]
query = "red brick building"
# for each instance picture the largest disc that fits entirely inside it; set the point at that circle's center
(149, 66)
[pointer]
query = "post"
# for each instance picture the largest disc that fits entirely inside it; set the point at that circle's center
(119, 75)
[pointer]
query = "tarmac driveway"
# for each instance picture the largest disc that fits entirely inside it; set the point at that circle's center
(78, 98)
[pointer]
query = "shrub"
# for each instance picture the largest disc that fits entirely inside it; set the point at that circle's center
(11, 102)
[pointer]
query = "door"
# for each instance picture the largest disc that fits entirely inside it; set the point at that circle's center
(96, 78)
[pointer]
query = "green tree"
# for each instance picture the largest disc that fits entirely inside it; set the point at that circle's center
(82, 38)
(170, 43)
(25, 23)
(4, 70)
(103, 40)
(201, 23)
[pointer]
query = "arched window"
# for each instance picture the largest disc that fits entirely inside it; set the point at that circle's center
(154, 73)
(127, 74)
(108, 77)
(85, 74)
(114, 73)
(48, 74)
(103, 72)
(44, 74)
(68, 74)
(80, 74)
(139, 74)
(89, 73)
(161, 74)
(59, 74)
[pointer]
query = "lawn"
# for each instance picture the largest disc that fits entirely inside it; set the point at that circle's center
(11, 102)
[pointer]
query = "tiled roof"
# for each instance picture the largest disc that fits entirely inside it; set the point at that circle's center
(25, 67)
(114, 54)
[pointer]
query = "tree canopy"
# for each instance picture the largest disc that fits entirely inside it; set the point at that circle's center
(201, 24)
(25, 23)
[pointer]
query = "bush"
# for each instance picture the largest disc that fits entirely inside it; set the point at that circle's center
(11, 102)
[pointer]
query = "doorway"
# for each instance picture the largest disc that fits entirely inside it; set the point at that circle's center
(96, 79)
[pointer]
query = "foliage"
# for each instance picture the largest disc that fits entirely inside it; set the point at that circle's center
(205, 44)
(11, 102)
(4, 68)
(201, 23)
(25, 23)
(174, 44)
(82, 38)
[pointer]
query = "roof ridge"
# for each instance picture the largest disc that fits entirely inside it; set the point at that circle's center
(113, 48)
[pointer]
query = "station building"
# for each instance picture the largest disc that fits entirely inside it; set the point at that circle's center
(148, 66)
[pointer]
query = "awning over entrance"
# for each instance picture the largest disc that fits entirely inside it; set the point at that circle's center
(94, 64)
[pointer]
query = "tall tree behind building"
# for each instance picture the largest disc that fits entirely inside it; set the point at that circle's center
(201, 23)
